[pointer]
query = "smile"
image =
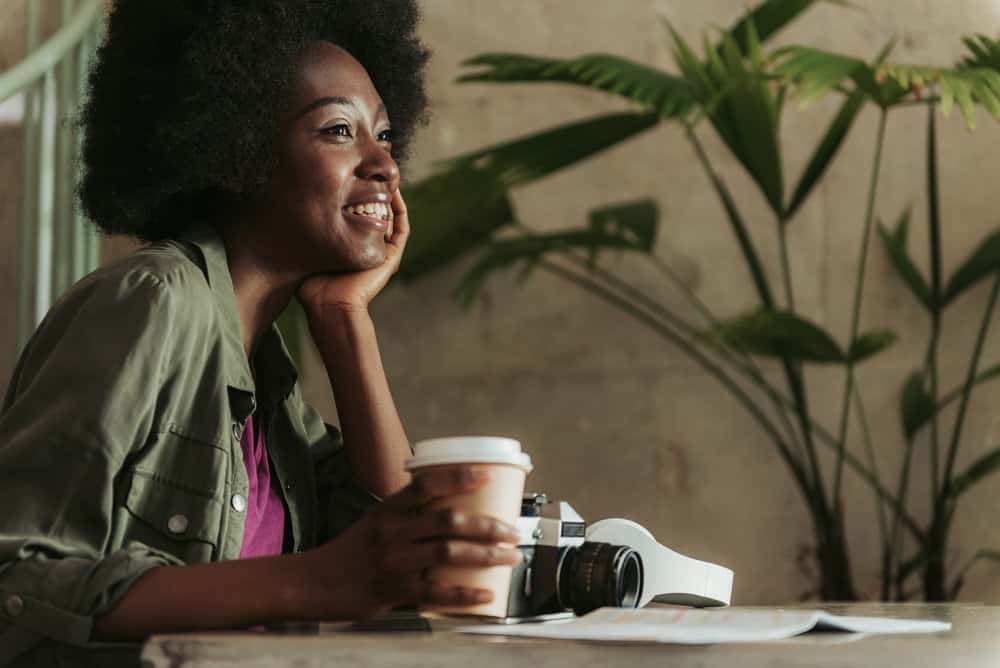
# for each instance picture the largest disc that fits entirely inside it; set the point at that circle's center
(374, 210)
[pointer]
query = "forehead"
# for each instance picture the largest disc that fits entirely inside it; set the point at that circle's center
(327, 70)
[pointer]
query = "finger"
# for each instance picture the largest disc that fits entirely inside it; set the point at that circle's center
(417, 557)
(416, 590)
(450, 523)
(398, 204)
(436, 483)
(400, 225)
(439, 593)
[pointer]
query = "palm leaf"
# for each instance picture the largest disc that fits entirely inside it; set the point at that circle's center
(773, 333)
(894, 242)
(921, 413)
(984, 466)
(535, 156)
(916, 406)
(451, 213)
(984, 261)
(831, 142)
(735, 94)
(983, 52)
(769, 17)
(816, 72)
(826, 150)
(461, 206)
(869, 344)
(670, 96)
(629, 226)
(980, 555)
(635, 221)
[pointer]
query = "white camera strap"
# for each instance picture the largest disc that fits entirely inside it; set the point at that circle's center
(668, 576)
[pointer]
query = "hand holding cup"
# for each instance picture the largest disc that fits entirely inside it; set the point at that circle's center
(390, 556)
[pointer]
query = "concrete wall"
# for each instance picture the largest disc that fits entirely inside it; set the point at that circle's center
(617, 421)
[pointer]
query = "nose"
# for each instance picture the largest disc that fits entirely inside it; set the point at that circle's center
(378, 164)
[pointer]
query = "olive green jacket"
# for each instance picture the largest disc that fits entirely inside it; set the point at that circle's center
(120, 443)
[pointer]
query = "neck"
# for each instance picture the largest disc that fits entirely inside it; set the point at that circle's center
(262, 292)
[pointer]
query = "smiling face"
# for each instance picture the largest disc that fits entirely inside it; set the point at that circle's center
(326, 205)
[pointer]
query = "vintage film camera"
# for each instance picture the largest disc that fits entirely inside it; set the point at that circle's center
(569, 567)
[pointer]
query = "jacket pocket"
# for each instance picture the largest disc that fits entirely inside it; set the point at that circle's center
(170, 516)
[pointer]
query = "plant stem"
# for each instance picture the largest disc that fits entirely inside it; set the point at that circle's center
(692, 297)
(970, 378)
(934, 248)
(856, 310)
(792, 373)
(872, 465)
(705, 362)
(786, 271)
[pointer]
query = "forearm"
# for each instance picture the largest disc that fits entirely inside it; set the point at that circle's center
(374, 438)
(217, 595)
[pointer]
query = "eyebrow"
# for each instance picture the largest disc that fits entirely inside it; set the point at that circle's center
(323, 101)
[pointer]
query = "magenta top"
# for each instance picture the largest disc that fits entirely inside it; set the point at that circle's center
(264, 532)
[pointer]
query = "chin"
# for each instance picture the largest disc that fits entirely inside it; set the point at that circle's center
(370, 257)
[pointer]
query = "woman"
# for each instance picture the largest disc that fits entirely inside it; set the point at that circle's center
(153, 437)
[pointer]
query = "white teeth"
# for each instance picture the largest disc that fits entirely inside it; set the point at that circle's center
(370, 209)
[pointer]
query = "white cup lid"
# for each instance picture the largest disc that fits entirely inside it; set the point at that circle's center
(468, 450)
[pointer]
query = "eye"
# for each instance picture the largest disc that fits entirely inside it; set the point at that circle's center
(339, 130)
(385, 136)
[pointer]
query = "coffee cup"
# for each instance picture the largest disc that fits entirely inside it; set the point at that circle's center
(500, 497)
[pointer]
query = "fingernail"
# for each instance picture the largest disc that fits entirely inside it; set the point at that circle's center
(483, 596)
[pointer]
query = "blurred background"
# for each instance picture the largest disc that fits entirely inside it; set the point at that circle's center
(617, 421)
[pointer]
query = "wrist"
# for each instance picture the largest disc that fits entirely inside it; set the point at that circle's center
(294, 594)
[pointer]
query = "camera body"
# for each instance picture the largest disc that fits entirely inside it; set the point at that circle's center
(562, 571)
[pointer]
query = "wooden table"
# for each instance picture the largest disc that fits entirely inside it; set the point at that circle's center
(973, 642)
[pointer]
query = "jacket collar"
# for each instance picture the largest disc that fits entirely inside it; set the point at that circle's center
(276, 373)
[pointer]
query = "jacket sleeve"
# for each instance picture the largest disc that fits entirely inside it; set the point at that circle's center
(83, 396)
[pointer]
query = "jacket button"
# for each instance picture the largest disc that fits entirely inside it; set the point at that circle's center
(14, 605)
(177, 524)
(239, 503)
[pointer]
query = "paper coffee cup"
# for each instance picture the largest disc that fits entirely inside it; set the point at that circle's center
(499, 498)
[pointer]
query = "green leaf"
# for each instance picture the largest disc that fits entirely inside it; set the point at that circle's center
(980, 555)
(984, 52)
(636, 221)
(916, 405)
(983, 466)
(769, 17)
(668, 95)
(894, 242)
(773, 333)
(826, 150)
(983, 262)
(535, 156)
(629, 226)
(816, 73)
(870, 343)
(460, 207)
(746, 119)
(451, 213)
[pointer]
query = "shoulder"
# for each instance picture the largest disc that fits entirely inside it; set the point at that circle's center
(156, 292)
(164, 276)
(168, 267)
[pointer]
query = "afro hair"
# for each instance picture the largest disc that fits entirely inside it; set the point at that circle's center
(184, 97)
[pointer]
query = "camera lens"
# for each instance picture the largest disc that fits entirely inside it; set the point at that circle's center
(595, 575)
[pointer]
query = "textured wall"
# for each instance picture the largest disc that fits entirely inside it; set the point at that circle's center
(617, 421)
